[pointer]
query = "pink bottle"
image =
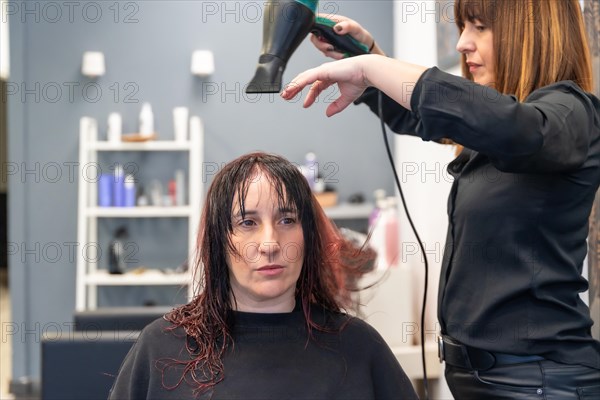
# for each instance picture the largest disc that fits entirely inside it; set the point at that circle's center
(392, 234)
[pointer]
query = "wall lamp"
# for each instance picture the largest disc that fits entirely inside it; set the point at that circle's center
(93, 64)
(203, 63)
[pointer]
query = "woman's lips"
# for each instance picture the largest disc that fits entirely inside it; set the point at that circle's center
(473, 67)
(270, 270)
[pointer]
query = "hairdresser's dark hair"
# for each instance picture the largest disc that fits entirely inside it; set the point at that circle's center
(329, 263)
(536, 42)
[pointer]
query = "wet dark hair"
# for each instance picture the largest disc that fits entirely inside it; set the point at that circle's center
(330, 262)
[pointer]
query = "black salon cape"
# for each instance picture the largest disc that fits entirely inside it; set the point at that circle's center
(518, 212)
(272, 359)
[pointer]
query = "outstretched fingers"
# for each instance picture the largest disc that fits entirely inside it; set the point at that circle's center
(339, 105)
(347, 74)
(315, 90)
(317, 87)
(300, 82)
(319, 80)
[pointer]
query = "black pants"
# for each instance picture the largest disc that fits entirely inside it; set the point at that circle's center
(538, 380)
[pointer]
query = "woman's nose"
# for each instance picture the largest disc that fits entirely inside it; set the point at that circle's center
(465, 43)
(269, 243)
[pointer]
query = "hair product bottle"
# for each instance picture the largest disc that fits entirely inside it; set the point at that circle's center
(392, 239)
(146, 120)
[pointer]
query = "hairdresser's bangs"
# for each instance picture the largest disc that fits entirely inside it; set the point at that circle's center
(471, 10)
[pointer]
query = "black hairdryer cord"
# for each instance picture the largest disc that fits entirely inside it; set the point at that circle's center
(389, 153)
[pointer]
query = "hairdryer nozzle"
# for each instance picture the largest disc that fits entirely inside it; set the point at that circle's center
(285, 24)
(268, 75)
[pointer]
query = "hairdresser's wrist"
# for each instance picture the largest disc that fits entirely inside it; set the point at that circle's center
(397, 80)
(369, 65)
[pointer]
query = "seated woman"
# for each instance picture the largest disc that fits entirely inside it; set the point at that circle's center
(268, 321)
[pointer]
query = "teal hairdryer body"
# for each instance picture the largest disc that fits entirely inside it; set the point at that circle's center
(285, 25)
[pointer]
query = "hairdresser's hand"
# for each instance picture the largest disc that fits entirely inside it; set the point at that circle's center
(346, 26)
(348, 74)
(353, 75)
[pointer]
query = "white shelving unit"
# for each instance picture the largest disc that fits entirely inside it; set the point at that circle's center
(89, 275)
(349, 211)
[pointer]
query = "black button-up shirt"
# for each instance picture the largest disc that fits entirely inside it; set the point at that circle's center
(518, 212)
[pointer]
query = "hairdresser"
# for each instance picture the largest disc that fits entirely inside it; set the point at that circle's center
(513, 325)
(268, 322)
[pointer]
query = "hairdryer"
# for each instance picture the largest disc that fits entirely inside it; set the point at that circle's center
(285, 25)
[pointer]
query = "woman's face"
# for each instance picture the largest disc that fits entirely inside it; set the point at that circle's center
(477, 44)
(269, 253)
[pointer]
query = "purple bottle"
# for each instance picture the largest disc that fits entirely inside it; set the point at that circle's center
(105, 186)
(119, 187)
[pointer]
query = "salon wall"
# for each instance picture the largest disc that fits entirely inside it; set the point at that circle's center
(148, 46)
(421, 167)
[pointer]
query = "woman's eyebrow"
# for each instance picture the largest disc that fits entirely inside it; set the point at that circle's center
(246, 212)
(282, 210)
(285, 210)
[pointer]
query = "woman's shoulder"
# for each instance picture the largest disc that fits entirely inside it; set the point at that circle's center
(569, 97)
(351, 327)
(158, 325)
(359, 327)
(569, 88)
(163, 331)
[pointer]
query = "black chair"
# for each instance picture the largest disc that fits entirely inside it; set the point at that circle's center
(84, 364)
(117, 318)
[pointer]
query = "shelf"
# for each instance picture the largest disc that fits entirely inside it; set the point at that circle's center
(349, 211)
(151, 145)
(103, 278)
(89, 278)
(139, 212)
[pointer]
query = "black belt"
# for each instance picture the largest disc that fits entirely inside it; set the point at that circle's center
(459, 355)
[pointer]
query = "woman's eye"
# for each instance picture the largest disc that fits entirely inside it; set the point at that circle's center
(247, 222)
(288, 220)
(479, 25)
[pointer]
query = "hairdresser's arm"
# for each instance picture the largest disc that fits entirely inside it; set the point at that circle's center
(397, 118)
(550, 131)
(353, 76)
